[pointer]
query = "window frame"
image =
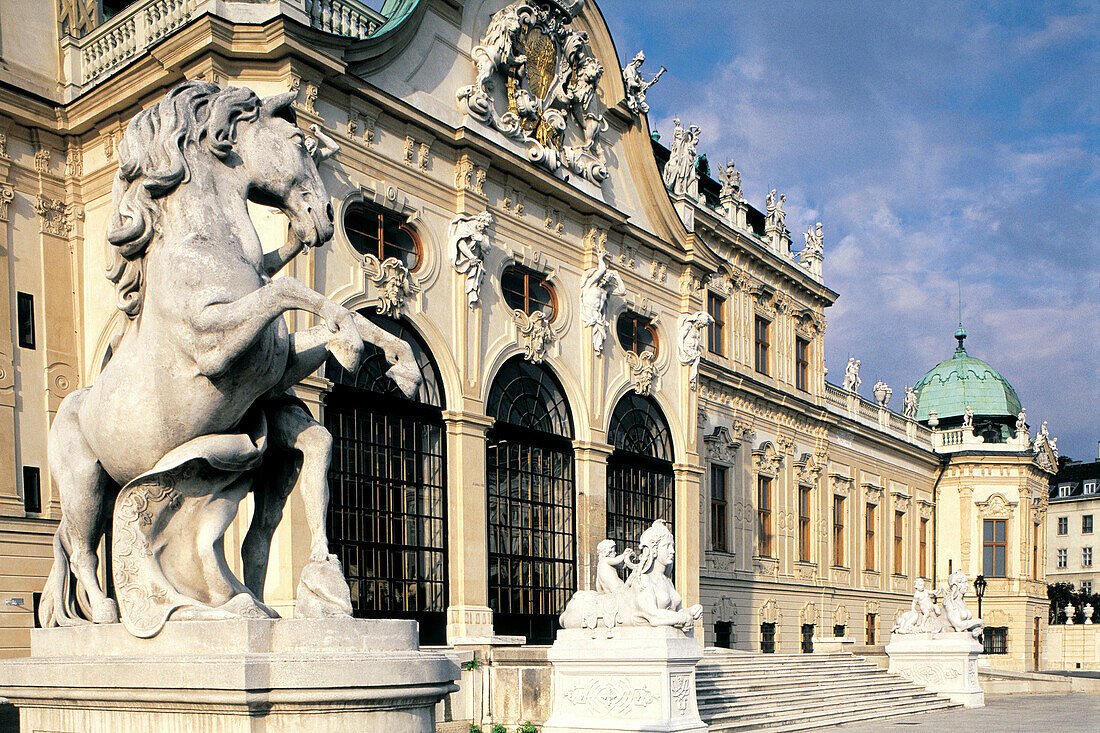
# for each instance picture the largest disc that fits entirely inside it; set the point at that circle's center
(1088, 488)
(805, 495)
(716, 333)
(994, 544)
(802, 364)
(528, 275)
(1063, 526)
(719, 509)
(1086, 557)
(923, 560)
(638, 323)
(764, 547)
(24, 320)
(899, 542)
(381, 244)
(1086, 524)
(838, 531)
(761, 344)
(1062, 556)
(869, 536)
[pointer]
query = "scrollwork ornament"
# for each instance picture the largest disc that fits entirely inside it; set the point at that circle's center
(394, 282)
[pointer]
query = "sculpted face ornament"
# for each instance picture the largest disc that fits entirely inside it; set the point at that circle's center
(534, 78)
(191, 412)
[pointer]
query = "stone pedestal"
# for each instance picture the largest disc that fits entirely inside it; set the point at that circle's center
(834, 644)
(337, 675)
(639, 679)
(945, 663)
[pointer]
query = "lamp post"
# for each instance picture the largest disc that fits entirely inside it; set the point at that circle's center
(979, 590)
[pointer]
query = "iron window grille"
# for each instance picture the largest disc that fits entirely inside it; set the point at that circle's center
(640, 480)
(531, 502)
(995, 640)
(767, 638)
(387, 507)
(839, 630)
(807, 638)
(870, 630)
(723, 634)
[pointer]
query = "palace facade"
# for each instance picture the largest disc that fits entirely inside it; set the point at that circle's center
(621, 339)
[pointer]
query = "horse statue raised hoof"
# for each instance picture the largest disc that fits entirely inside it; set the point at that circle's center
(192, 409)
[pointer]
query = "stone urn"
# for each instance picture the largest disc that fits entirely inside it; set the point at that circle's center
(1069, 614)
(1087, 610)
(933, 419)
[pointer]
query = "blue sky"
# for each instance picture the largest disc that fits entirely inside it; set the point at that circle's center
(941, 144)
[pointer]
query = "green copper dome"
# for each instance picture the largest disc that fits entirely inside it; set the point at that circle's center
(963, 380)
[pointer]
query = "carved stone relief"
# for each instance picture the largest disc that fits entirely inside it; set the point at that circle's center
(770, 612)
(537, 85)
(57, 217)
(724, 609)
(766, 460)
(642, 371)
(721, 446)
(7, 195)
(394, 283)
(468, 237)
(536, 334)
(690, 347)
(996, 507)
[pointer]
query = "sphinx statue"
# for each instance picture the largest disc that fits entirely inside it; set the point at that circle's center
(192, 410)
(646, 598)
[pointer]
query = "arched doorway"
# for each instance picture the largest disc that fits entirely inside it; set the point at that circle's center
(388, 488)
(531, 499)
(640, 482)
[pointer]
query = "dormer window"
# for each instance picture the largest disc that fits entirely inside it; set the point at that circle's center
(1063, 489)
(1090, 487)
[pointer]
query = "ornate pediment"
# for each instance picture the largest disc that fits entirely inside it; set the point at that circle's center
(807, 469)
(872, 493)
(721, 446)
(841, 484)
(766, 460)
(537, 85)
(996, 507)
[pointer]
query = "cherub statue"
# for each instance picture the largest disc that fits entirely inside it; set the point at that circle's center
(924, 615)
(608, 565)
(968, 418)
(636, 86)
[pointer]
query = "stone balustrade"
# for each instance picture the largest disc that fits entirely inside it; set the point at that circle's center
(869, 413)
(91, 58)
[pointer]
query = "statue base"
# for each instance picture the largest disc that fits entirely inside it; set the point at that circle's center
(636, 679)
(945, 663)
(339, 675)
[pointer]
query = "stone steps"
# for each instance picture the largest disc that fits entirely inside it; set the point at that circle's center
(792, 692)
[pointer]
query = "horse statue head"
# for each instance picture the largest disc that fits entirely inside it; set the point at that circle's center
(254, 143)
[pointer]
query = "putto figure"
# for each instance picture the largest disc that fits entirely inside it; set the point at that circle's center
(647, 597)
(636, 86)
(192, 410)
(924, 616)
(469, 237)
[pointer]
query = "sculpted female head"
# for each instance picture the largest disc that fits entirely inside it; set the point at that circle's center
(657, 546)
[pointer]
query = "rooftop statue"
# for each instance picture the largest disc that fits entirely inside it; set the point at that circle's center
(968, 418)
(909, 405)
(680, 174)
(636, 86)
(192, 409)
(815, 241)
(774, 216)
(646, 598)
(852, 381)
(599, 283)
(1021, 423)
(730, 178)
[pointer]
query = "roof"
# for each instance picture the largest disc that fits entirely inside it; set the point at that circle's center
(1075, 474)
(964, 380)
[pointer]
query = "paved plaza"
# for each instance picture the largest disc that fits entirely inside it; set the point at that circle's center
(1003, 714)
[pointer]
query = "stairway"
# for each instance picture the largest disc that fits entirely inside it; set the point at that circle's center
(740, 691)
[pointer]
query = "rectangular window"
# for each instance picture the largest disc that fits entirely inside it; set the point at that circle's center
(764, 516)
(801, 364)
(716, 308)
(838, 531)
(1090, 487)
(1063, 525)
(762, 325)
(1063, 489)
(767, 638)
(869, 539)
(32, 490)
(899, 543)
(1086, 524)
(993, 548)
(1086, 587)
(1035, 552)
(1063, 558)
(723, 634)
(924, 547)
(719, 520)
(807, 638)
(1086, 557)
(838, 630)
(24, 308)
(995, 640)
(804, 523)
(870, 630)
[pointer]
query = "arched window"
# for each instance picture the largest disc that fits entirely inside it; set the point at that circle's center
(526, 290)
(640, 481)
(381, 233)
(636, 333)
(388, 490)
(531, 501)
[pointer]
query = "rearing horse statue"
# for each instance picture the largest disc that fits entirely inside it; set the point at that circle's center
(191, 410)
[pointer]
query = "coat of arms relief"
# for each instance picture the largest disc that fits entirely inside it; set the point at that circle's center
(537, 85)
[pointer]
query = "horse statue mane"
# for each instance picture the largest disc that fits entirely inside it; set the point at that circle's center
(195, 117)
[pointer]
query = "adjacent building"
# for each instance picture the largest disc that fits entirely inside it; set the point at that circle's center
(1071, 528)
(621, 338)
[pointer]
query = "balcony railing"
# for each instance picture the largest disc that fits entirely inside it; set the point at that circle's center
(96, 54)
(870, 413)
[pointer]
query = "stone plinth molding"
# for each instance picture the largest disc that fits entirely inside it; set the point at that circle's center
(635, 679)
(945, 663)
